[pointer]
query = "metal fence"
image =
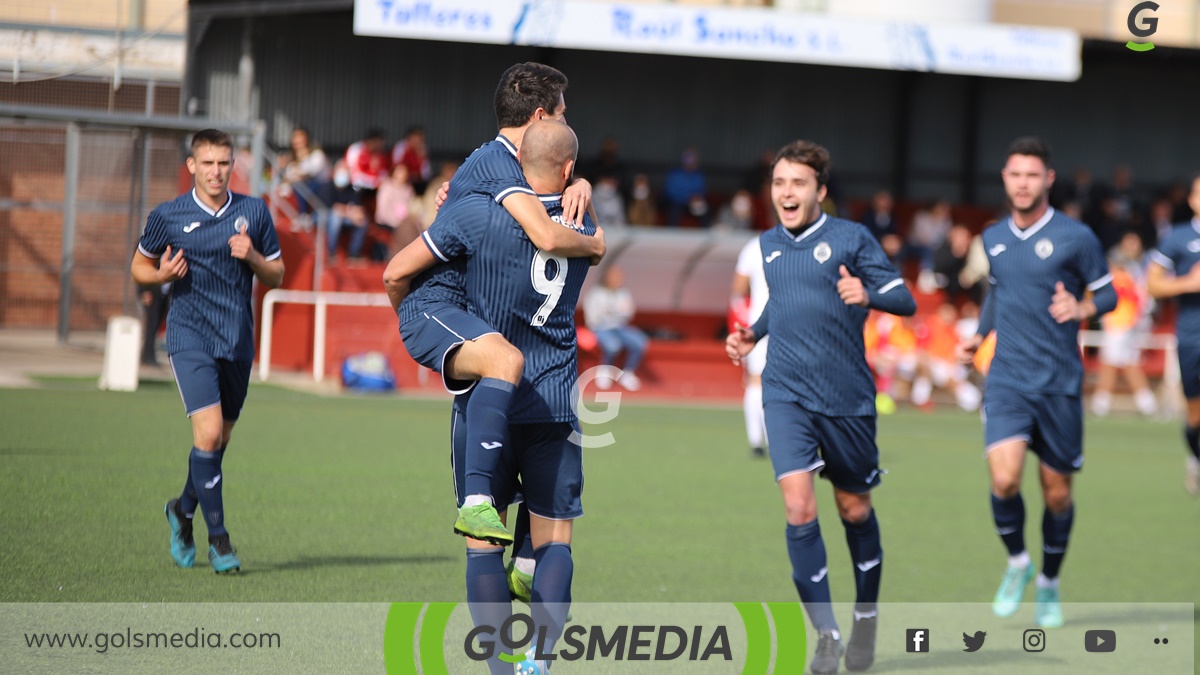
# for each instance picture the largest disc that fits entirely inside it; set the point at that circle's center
(75, 189)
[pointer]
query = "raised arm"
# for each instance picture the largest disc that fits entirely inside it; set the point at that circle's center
(548, 235)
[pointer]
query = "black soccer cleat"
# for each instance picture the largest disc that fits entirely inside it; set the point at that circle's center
(860, 653)
(829, 652)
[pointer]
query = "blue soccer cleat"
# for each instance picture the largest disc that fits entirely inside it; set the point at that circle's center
(1049, 610)
(531, 666)
(1012, 590)
(183, 546)
(222, 556)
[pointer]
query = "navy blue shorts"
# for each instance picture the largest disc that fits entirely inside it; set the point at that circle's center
(205, 382)
(540, 465)
(434, 335)
(842, 448)
(1052, 425)
(1189, 369)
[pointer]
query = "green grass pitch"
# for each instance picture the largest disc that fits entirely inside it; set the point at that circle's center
(349, 499)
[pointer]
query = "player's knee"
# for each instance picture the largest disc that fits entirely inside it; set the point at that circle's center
(1005, 487)
(208, 440)
(855, 512)
(1193, 415)
(800, 511)
(1058, 499)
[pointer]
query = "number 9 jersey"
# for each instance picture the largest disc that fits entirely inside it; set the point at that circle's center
(526, 294)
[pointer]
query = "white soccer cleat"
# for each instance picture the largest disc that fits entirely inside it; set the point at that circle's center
(630, 382)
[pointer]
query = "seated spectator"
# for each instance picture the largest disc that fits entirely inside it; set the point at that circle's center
(880, 218)
(608, 202)
(607, 310)
(607, 164)
(641, 208)
(309, 167)
(346, 212)
(394, 211)
(938, 364)
(738, 214)
(368, 164)
(950, 267)
(414, 154)
(686, 191)
(929, 229)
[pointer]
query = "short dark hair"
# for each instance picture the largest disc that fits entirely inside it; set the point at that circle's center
(1031, 146)
(809, 154)
(375, 132)
(523, 89)
(211, 137)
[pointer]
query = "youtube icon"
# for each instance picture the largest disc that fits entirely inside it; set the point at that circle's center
(1100, 641)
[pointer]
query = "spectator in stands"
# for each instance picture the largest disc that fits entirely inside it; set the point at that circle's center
(929, 229)
(346, 212)
(738, 214)
(607, 310)
(309, 168)
(1108, 223)
(156, 300)
(413, 153)
(880, 218)
(608, 202)
(1161, 221)
(1082, 191)
(757, 181)
(368, 164)
(686, 191)
(608, 164)
(394, 211)
(428, 200)
(938, 364)
(1124, 329)
(642, 210)
(950, 267)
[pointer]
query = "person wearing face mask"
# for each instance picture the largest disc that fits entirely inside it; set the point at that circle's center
(738, 214)
(345, 212)
(607, 200)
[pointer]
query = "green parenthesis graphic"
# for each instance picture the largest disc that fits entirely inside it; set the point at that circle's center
(398, 635)
(791, 643)
(1140, 46)
(433, 630)
(758, 637)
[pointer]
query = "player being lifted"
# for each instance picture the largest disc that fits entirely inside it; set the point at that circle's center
(823, 276)
(438, 330)
(1042, 263)
(530, 296)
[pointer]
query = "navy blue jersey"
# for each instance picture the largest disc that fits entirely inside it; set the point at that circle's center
(1178, 252)
(526, 294)
(816, 356)
(210, 306)
(492, 170)
(1034, 352)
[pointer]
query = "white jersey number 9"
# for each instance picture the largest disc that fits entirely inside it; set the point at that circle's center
(551, 287)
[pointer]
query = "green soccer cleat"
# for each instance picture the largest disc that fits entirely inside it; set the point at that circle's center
(483, 523)
(183, 546)
(1012, 590)
(519, 583)
(222, 556)
(1049, 611)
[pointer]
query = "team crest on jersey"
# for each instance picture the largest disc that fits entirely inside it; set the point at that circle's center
(241, 222)
(822, 252)
(1194, 246)
(1044, 248)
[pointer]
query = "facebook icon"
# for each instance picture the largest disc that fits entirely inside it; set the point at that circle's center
(917, 640)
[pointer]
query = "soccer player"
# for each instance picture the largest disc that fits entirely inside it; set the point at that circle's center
(1174, 272)
(210, 244)
(530, 296)
(824, 275)
(1042, 262)
(750, 292)
(436, 327)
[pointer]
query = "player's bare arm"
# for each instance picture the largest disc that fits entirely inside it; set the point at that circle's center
(548, 235)
(1162, 284)
(404, 267)
(268, 272)
(147, 271)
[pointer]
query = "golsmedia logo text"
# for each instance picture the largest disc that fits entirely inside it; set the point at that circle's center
(620, 643)
(1142, 24)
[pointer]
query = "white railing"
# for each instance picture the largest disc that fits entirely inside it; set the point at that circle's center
(1165, 342)
(322, 300)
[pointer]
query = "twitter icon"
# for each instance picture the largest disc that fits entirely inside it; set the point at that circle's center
(974, 642)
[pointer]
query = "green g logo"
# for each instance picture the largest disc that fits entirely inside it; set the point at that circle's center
(1144, 29)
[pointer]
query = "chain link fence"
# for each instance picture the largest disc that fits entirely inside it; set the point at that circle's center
(76, 186)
